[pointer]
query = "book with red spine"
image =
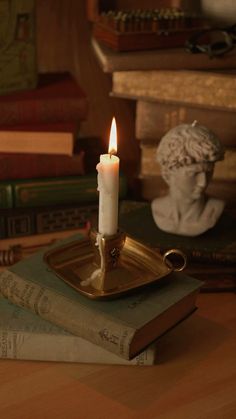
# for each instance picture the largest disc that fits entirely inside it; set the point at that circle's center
(57, 97)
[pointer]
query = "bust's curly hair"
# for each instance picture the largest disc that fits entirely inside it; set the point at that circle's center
(188, 144)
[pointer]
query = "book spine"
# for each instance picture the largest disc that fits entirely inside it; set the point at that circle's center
(6, 195)
(215, 257)
(54, 191)
(101, 330)
(30, 345)
(30, 166)
(43, 110)
(195, 88)
(18, 223)
(154, 119)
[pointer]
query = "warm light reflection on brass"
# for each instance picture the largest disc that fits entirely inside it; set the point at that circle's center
(119, 265)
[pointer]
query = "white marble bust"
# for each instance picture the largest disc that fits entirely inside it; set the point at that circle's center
(187, 155)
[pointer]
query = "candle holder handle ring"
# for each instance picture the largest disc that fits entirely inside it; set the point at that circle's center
(170, 256)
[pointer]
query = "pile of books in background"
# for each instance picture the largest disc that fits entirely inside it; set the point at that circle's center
(165, 99)
(41, 173)
(48, 185)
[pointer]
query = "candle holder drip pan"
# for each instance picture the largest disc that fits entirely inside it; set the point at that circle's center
(106, 267)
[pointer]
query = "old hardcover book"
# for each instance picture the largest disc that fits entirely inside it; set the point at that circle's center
(53, 191)
(158, 59)
(24, 335)
(55, 139)
(224, 169)
(215, 90)
(18, 222)
(154, 119)
(18, 64)
(30, 166)
(57, 97)
(124, 326)
(216, 245)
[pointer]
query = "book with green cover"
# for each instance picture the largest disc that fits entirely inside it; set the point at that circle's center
(24, 335)
(53, 191)
(217, 244)
(124, 326)
(6, 198)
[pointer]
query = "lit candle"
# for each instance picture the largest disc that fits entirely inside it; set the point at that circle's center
(108, 187)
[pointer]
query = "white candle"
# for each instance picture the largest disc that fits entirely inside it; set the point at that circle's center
(108, 187)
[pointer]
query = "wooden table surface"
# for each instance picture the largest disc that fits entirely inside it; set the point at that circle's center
(195, 377)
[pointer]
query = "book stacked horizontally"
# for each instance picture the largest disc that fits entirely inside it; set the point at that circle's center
(211, 256)
(44, 191)
(42, 318)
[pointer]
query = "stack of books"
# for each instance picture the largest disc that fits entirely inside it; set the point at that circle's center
(45, 194)
(168, 98)
(44, 319)
(172, 87)
(48, 179)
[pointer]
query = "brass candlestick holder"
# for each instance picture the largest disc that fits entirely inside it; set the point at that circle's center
(105, 267)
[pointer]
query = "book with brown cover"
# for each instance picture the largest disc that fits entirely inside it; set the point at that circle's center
(31, 166)
(57, 97)
(159, 59)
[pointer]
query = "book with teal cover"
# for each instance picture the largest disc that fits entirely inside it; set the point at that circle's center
(124, 326)
(217, 244)
(24, 335)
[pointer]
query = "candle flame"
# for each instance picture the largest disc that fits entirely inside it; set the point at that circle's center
(112, 149)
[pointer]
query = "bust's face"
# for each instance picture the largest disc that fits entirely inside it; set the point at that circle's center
(191, 181)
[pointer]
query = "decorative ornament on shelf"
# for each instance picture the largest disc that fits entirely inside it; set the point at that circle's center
(187, 155)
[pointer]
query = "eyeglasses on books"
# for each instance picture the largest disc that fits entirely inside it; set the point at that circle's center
(214, 42)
